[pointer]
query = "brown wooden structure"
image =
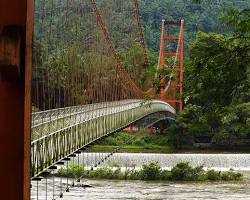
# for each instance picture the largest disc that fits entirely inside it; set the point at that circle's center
(16, 28)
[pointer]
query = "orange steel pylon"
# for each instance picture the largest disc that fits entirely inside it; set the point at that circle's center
(174, 84)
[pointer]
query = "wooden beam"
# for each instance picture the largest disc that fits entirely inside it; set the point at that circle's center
(10, 53)
(16, 28)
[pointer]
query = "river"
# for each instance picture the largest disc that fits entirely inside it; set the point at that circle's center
(126, 190)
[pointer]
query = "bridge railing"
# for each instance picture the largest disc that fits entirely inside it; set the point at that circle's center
(49, 149)
(43, 116)
(50, 121)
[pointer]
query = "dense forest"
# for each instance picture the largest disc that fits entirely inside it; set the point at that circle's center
(203, 17)
(217, 84)
(217, 68)
(70, 48)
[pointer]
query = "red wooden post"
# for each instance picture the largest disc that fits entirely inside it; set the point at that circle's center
(16, 28)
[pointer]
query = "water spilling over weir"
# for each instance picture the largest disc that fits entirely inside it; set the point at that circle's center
(215, 161)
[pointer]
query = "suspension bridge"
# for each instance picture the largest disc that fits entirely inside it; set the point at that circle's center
(82, 68)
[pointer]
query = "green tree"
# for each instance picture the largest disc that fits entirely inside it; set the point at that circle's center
(217, 84)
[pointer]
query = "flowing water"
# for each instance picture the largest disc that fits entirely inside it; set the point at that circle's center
(112, 189)
(213, 161)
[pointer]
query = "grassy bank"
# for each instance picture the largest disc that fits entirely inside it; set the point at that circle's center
(134, 143)
(181, 172)
(134, 149)
(166, 149)
(144, 143)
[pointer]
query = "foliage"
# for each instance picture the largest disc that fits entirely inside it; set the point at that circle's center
(184, 172)
(133, 175)
(134, 62)
(217, 85)
(198, 17)
(105, 173)
(69, 49)
(151, 171)
(213, 175)
(138, 148)
(35, 109)
(217, 77)
(230, 175)
(72, 170)
(188, 124)
(123, 138)
(180, 172)
(235, 125)
(166, 175)
(147, 101)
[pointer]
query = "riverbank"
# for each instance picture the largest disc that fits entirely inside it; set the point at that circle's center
(144, 143)
(168, 149)
(133, 149)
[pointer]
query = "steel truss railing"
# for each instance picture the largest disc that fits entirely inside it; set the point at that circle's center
(45, 122)
(86, 128)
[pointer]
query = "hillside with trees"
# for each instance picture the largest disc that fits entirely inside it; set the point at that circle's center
(217, 69)
(217, 82)
(203, 17)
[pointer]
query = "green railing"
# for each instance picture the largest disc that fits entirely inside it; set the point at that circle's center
(83, 129)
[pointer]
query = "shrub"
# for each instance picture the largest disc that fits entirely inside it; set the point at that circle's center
(117, 174)
(147, 139)
(231, 176)
(160, 140)
(198, 173)
(180, 172)
(72, 170)
(184, 172)
(105, 173)
(139, 142)
(123, 138)
(110, 141)
(165, 175)
(213, 175)
(151, 171)
(133, 175)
